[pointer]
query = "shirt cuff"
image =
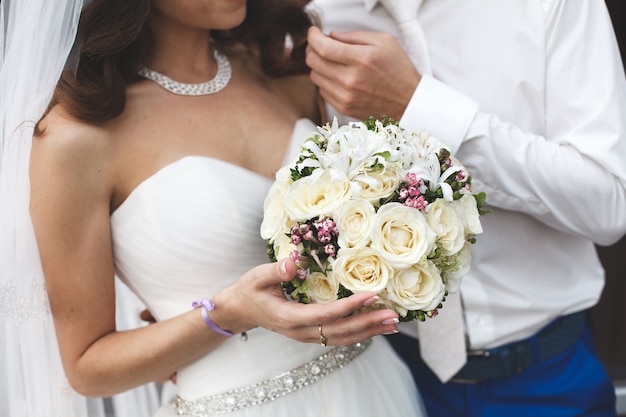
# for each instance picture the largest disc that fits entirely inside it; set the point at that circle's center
(441, 111)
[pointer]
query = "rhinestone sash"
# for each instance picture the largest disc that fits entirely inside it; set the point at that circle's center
(272, 388)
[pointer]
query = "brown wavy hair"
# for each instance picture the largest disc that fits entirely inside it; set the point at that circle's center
(114, 41)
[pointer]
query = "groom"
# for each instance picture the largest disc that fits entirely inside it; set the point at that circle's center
(524, 96)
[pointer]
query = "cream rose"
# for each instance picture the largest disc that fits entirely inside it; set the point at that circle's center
(317, 195)
(468, 213)
(376, 185)
(361, 270)
(323, 288)
(283, 175)
(459, 267)
(418, 287)
(445, 222)
(354, 221)
(401, 235)
(274, 215)
(283, 246)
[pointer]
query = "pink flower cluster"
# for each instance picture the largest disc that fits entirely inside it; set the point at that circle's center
(320, 237)
(410, 194)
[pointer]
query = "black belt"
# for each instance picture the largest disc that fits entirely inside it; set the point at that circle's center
(514, 358)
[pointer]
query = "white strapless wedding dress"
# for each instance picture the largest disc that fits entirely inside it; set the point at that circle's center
(192, 229)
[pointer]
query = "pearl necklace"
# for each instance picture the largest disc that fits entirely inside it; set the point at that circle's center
(213, 86)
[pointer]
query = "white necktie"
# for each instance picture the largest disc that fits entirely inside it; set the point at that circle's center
(404, 12)
(442, 339)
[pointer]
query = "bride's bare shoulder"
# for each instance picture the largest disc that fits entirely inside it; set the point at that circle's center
(64, 145)
(61, 132)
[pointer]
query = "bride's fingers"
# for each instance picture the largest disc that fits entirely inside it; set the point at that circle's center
(271, 274)
(266, 279)
(349, 330)
(357, 328)
(297, 315)
(295, 320)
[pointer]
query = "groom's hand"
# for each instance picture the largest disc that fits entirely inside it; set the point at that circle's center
(361, 74)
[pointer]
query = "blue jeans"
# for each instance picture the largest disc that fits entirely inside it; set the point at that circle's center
(573, 383)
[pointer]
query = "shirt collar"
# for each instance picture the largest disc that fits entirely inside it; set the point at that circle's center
(370, 4)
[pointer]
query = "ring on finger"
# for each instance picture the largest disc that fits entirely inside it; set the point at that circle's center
(323, 339)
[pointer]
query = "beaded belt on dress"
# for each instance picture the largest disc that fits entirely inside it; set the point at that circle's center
(272, 388)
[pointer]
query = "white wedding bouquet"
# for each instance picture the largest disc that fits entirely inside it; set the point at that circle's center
(374, 207)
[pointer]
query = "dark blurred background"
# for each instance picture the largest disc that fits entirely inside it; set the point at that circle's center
(609, 316)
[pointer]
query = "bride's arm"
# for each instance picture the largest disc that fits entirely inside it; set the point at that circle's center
(71, 186)
(72, 181)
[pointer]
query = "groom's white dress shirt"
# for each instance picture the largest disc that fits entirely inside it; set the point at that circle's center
(518, 94)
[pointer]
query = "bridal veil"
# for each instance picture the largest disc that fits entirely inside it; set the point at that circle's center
(36, 37)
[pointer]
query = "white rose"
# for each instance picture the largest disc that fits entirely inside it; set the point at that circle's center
(283, 246)
(445, 222)
(361, 270)
(283, 175)
(322, 288)
(459, 267)
(418, 287)
(317, 195)
(401, 235)
(468, 213)
(274, 215)
(376, 185)
(354, 222)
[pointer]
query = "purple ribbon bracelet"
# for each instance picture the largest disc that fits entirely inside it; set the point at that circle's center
(208, 305)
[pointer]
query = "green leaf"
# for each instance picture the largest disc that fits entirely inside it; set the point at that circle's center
(343, 292)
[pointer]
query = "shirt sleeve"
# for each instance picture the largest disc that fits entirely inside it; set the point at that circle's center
(572, 176)
(441, 111)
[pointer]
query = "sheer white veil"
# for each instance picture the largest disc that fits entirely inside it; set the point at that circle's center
(36, 37)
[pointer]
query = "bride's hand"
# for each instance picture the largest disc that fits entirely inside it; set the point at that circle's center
(257, 299)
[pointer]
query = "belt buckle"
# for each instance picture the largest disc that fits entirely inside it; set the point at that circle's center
(481, 353)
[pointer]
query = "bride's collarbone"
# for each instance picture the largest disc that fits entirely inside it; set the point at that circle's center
(250, 110)
(255, 143)
(247, 100)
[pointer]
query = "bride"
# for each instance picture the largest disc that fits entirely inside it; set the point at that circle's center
(152, 162)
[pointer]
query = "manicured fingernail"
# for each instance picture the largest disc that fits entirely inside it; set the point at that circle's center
(391, 321)
(371, 301)
(391, 332)
(283, 268)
